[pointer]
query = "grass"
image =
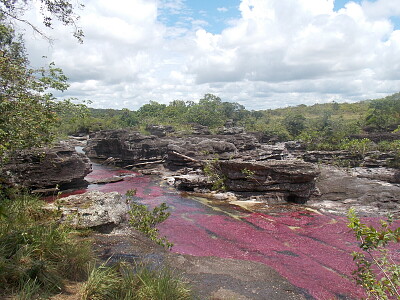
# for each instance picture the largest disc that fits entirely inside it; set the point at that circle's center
(123, 282)
(38, 255)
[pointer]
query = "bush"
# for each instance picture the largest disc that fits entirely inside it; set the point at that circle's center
(145, 220)
(376, 271)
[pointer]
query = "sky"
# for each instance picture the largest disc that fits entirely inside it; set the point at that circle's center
(260, 53)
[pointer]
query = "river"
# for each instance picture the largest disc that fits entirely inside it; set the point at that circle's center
(311, 249)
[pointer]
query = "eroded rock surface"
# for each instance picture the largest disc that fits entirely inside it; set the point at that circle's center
(93, 210)
(292, 180)
(44, 168)
(340, 190)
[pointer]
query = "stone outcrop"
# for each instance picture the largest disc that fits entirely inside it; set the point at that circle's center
(159, 130)
(344, 158)
(126, 147)
(340, 190)
(46, 168)
(92, 210)
(131, 148)
(289, 180)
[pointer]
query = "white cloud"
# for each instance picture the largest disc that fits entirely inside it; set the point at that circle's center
(222, 9)
(280, 52)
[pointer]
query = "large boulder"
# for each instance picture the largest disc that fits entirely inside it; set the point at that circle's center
(93, 209)
(46, 168)
(287, 180)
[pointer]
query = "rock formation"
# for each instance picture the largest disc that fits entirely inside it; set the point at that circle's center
(93, 209)
(46, 168)
(290, 180)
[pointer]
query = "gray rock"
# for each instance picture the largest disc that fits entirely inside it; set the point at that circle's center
(44, 168)
(292, 179)
(92, 209)
(340, 190)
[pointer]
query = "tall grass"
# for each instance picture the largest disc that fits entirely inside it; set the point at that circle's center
(123, 282)
(37, 253)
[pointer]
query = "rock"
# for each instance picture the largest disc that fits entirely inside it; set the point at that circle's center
(44, 168)
(340, 190)
(198, 129)
(290, 180)
(192, 182)
(92, 210)
(383, 174)
(231, 130)
(372, 159)
(125, 146)
(159, 130)
(108, 180)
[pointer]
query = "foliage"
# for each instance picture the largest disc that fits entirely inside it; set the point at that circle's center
(357, 146)
(61, 10)
(294, 123)
(145, 220)
(122, 282)
(36, 253)
(376, 271)
(26, 109)
(384, 114)
(26, 103)
(212, 170)
(71, 118)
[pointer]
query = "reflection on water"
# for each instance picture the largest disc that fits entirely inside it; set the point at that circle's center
(312, 250)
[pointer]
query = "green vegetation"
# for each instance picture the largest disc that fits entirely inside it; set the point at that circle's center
(329, 126)
(36, 253)
(122, 282)
(212, 170)
(376, 271)
(27, 107)
(146, 220)
(37, 256)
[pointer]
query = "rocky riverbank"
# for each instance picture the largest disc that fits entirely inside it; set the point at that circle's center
(254, 170)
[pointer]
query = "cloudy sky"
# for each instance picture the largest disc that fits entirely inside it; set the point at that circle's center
(259, 53)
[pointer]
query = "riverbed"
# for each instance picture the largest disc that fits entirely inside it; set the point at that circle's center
(309, 248)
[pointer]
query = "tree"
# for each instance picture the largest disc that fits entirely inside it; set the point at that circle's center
(26, 104)
(61, 10)
(294, 123)
(384, 113)
(208, 112)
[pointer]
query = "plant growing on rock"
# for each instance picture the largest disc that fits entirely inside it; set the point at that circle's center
(376, 271)
(212, 170)
(145, 220)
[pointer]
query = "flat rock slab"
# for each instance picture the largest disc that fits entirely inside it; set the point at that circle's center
(210, 277)
(92, 209)
(341, 189)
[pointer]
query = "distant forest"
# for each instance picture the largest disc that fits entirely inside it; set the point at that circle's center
(321, 126)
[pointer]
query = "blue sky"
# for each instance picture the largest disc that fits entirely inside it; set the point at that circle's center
(260, 53)
(218, 14)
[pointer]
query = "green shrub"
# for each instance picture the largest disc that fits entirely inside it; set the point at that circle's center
(145, 220)
(376, 271)
(212, 170)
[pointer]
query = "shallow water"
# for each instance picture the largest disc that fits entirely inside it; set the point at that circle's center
(311, 249)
